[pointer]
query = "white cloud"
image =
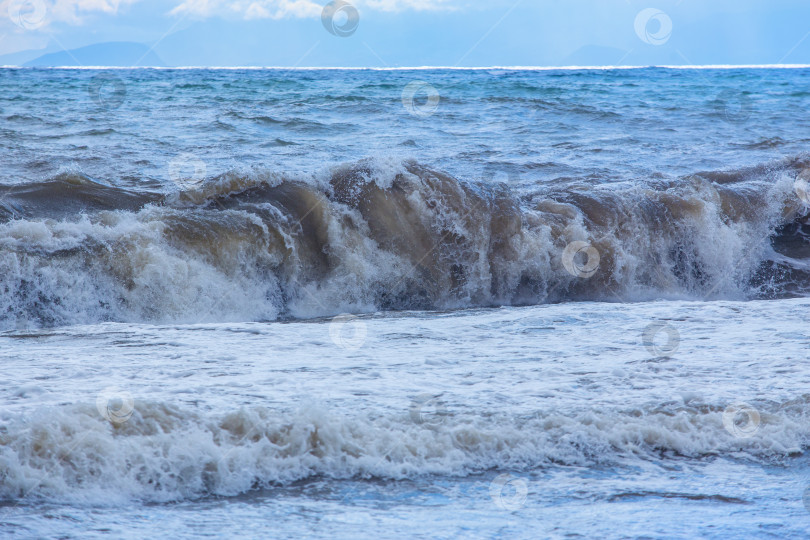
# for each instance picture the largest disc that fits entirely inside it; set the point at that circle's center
(278, 9)
(249, 9)
(402, 5)
(73, 10)
(38, 14)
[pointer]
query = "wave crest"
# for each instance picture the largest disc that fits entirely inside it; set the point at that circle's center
(380, 235)
(164, 453)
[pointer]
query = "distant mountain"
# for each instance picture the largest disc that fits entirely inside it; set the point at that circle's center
(111, 54)
(20, 58)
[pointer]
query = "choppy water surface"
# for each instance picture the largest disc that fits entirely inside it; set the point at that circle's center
(522, 303)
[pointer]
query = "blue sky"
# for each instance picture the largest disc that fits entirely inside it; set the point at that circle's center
(420, 32)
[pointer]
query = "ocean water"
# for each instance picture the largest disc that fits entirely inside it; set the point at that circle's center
(435, 303)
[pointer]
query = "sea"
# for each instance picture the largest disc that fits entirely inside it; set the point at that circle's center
(433, 303)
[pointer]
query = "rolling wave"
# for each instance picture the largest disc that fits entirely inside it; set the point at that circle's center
(379, 234)
(159, 452)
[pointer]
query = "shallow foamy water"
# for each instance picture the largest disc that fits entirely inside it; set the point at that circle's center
(406, 423)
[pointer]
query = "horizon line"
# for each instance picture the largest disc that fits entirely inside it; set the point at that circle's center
(428, 68)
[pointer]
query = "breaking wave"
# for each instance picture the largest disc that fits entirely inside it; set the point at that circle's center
(165, 453)
(376, 234)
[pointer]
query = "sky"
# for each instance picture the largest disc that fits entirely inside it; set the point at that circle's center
(399, 33)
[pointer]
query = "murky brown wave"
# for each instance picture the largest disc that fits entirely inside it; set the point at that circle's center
(370, 235)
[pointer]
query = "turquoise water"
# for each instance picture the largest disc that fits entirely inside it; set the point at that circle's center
(125, 126)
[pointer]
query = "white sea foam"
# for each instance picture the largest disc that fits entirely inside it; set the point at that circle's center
(384, 234)
(405, 423)
(163, 452)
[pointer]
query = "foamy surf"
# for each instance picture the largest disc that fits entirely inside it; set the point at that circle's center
(587, 294)
(389, 235)
(161, 452)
